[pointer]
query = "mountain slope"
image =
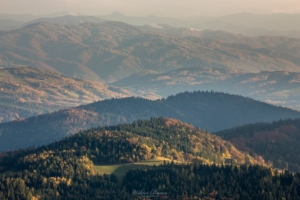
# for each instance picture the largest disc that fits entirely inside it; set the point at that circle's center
(26, 92)
(111, 51)
(277, 142)
(209, 110)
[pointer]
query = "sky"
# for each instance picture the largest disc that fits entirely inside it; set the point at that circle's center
(164, 8)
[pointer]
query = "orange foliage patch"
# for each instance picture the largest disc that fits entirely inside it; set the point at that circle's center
(174, 122)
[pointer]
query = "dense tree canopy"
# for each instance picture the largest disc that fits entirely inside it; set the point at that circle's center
(277, 142)
(65, 169)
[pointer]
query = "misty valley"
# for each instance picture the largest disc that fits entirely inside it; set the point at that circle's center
(123, 107)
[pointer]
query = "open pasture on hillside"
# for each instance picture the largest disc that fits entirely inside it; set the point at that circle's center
(121, 169)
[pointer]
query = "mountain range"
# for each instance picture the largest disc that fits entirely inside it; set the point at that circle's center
(242, 23)
(212, 111)
(168, 59)
(111, 51)
(67, 20)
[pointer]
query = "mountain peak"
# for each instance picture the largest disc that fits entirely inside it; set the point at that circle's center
(116, 13)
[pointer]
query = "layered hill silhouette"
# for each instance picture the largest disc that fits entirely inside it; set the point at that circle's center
(26, 92)
(279, 88)
(111, 51)
(211, 111)
(277, 142)
(67, 20)
(241, 23)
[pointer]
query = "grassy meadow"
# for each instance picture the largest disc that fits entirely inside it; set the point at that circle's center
(121, 169)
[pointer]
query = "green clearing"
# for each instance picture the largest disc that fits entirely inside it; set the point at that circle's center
(121, 170)
(118, 170)
(156, 161)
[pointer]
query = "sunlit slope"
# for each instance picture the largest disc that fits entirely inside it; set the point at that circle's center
(26, 92)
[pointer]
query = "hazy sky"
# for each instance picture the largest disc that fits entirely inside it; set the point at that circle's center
(171, 8)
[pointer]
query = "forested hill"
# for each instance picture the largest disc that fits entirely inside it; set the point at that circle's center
(277, 142)
(65, 169)
(143, 140)
(211, 111)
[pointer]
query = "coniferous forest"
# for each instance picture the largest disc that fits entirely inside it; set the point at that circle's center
(195, 168)
(277, 142)
(169, 181)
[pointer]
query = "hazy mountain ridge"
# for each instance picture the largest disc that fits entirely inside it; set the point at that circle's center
(9, 24)
(241, 23)
(277, 142)
(280, 44)
(67, 20)
(26, 92)
(280, 88)
(112, 50)
(208, 110)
